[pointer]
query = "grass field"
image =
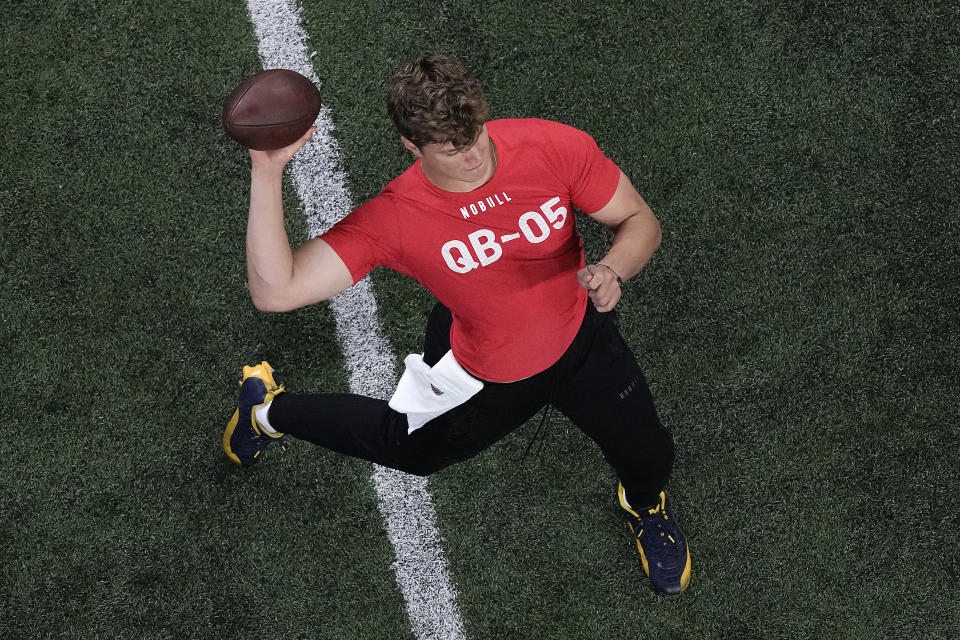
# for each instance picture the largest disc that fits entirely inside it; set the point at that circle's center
(799, 326)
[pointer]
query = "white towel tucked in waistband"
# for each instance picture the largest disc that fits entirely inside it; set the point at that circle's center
(424, 393)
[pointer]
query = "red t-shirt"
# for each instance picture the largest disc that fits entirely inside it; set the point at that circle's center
(503, 258)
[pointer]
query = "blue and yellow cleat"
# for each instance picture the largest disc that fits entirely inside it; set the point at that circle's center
(244, 438)
(663, 549)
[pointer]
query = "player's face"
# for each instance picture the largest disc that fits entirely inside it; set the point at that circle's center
(455, 169)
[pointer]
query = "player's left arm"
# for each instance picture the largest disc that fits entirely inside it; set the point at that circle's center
(636, 236)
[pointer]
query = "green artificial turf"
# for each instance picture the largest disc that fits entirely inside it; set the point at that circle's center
(126, 322)
(798, 326)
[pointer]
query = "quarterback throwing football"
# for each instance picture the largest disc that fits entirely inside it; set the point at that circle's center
(484, 220)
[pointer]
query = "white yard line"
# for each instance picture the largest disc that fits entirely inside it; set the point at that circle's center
(407, 509)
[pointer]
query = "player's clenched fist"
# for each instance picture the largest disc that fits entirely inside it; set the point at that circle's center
(602, 284)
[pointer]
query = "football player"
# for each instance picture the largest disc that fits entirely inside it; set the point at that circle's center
(484, 219)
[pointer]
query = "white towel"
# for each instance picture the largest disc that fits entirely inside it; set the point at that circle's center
(424, 393)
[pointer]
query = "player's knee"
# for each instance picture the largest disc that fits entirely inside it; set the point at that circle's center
(424, 468)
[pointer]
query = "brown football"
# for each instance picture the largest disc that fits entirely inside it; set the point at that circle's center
(271, 109)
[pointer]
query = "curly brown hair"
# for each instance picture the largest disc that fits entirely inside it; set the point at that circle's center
(435, 99)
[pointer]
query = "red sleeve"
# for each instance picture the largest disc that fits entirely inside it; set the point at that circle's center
(355, 238)
(592, 176)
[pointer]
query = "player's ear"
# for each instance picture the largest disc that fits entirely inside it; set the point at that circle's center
(412, 148)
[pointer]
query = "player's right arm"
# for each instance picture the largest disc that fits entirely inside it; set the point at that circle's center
(281, 279)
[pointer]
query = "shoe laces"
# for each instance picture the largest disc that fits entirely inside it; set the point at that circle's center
(654, 524)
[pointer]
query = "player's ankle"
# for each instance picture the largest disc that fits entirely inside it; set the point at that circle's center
(262, 414)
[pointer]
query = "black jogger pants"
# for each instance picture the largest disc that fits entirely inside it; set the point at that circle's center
(597, 384)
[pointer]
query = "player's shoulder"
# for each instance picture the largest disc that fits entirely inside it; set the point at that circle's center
(405, 187)
(404, 193)
(547, 138)
(532, 129)
(380, 207)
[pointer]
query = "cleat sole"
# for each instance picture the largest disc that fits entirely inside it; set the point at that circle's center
(228, 433)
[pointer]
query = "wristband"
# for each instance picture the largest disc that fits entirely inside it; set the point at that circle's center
(617, 275)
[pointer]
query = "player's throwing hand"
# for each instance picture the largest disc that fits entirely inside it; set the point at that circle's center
(277, 159)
